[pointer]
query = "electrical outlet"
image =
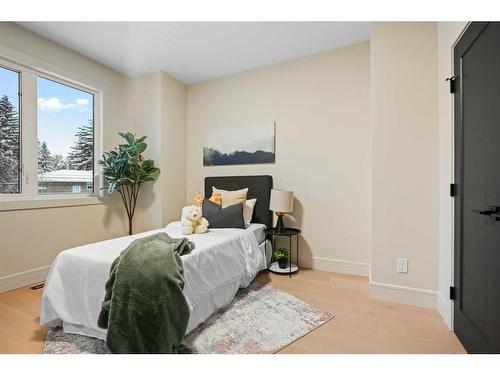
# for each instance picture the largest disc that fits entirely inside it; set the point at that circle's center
(402, 265)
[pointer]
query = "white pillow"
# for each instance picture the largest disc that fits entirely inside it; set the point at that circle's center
(248, 207)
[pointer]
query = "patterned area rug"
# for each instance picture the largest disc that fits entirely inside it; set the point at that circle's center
(261, 319)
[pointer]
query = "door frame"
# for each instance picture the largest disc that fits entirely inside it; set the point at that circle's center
(452, 166)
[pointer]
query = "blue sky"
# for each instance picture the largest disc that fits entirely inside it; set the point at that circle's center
(61, 110)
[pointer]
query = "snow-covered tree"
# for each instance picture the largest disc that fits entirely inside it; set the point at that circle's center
(9, 147)
(81, 155)
(45, 161)
(59, 162)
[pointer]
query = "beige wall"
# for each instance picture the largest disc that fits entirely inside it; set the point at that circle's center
(150, 105)
(143, 96)
(405, 158)
(157, 106)
(174, 99)
(320, 104)
(448, 33)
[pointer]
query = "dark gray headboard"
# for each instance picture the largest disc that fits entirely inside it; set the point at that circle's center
(258, 187)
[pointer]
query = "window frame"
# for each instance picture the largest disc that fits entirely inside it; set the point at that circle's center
(28, 114)
(8, 66)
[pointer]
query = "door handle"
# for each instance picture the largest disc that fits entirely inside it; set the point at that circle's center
(485, 212)
(493, 211)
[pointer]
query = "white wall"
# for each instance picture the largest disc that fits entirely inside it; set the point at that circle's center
(405, 161)
(320, 104)
(153, 105)
(448, 33)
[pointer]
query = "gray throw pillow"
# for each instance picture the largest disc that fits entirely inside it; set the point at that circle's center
(229, 217)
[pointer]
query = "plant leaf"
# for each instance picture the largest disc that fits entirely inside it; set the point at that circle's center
(129, 137)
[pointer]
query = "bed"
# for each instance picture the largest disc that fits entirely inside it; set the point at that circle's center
(223, 261)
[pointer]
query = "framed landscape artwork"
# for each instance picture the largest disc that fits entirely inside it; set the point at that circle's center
(253, 144)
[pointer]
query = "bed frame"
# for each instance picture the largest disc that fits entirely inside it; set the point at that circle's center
(258, 187)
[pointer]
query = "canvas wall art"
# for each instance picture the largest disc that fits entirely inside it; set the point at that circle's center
(253, 144)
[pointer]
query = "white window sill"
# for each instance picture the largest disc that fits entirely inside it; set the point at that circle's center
(30, 202)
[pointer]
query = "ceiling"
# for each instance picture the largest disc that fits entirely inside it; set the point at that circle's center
(197, 51)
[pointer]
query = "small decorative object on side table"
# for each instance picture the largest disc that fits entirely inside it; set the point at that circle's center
(287, 232)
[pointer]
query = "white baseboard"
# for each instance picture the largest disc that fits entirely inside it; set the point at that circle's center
(22, 279)
(444, 309)
(403, 294)
(335, 265)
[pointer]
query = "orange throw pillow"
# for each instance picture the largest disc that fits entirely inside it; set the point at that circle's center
(216, 198)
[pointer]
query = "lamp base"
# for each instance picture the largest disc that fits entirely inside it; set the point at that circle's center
(280, 225)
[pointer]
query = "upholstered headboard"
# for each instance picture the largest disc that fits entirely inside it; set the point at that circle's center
(258, 187)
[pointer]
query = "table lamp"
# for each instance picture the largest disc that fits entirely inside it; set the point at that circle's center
(281, 203)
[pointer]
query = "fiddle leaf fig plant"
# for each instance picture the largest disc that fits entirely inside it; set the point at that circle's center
(125, 170)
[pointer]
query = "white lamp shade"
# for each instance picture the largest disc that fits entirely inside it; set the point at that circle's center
(281, 201)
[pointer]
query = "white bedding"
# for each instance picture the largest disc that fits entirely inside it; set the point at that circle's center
(223, 261)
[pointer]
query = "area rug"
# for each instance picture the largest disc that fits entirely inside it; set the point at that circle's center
(261, 319)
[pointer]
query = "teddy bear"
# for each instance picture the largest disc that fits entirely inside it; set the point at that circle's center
(192, 221)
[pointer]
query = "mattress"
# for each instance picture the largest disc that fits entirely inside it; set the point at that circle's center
(223, 261)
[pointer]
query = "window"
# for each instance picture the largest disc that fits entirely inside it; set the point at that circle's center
(65, 138)
(47, 133)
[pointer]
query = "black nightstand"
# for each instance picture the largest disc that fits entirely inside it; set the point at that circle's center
(289, 232)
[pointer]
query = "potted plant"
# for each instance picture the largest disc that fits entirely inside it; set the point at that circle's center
(281, 256)
(125, 170)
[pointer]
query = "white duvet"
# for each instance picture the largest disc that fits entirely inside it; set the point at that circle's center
(223, 261)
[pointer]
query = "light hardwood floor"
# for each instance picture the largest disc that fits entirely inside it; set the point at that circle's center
(361, 324)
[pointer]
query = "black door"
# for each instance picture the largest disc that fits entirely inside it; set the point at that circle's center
(477, 175)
